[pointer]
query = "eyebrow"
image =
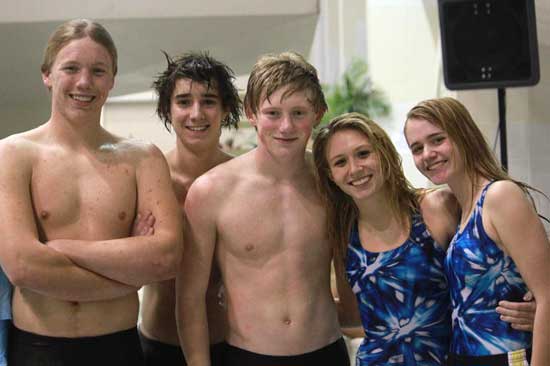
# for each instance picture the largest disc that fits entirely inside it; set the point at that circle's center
(205, 95)
(428, 137)
(360, 147)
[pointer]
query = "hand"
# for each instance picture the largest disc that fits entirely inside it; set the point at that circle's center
(521, 315)
(144, 225)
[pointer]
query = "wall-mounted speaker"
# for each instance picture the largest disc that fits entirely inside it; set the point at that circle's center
(488, 44)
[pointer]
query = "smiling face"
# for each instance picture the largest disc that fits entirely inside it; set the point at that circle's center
(433, 152)
(284, 122)
(353, 164)
(80, 79)
(196, 113)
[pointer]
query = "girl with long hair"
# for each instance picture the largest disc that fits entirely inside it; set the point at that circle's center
(500, 247)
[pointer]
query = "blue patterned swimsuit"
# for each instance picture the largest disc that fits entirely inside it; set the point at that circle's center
(480, 274)
(403, 300)
(5, 315)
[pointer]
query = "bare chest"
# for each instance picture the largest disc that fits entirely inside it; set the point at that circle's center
(80, 196)
(259, 225)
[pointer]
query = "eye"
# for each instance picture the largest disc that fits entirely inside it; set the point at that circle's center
(183, 102)
(99, 71)
(416, 149)
(272, 113)
(71, 69)
(210, 102)
(299, 113)
(363, 154)
(438, 140)
(339, 162)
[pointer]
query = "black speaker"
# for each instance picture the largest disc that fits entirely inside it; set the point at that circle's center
(488, 44)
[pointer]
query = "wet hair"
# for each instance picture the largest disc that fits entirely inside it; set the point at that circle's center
(452, 117)
(78, 29)
(204, 69)
(342, 212)
(273, 71)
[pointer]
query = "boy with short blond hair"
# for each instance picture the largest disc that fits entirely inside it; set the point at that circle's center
(260, 218)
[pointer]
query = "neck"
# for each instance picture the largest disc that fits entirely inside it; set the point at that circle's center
(375, 214)
(284, 168)
(466, 191)
(380, 228)
(85, 133)
(195, 162)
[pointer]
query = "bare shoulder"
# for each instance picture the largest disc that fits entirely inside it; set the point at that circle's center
(438, 199)
(505, 200)
(137, 149)
(22, 148)
(440, 212)
(217, 182)
(504, 190)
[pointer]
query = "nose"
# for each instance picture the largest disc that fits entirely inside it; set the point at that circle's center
(428, 152)
(286, 125)
(354, 167)
(196, 110)
(85, 79)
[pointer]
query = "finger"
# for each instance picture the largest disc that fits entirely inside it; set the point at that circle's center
(519, 306)
(515, 313)
(523, 327)
(528, 296)
(514, 320)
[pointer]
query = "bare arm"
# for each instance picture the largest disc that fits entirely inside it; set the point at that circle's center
(26, 261)
(517, 228)
(138, 260)
(193, 276)
(348, 309)
(440, 212)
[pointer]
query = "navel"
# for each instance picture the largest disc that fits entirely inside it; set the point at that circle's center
(249, 247)
(122, 215)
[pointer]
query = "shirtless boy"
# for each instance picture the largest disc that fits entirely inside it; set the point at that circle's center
(69, 192)
(259, 217)
(197, 98)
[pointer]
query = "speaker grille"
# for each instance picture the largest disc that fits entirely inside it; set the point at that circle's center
(488, 44)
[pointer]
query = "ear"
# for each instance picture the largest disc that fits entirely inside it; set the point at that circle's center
(46, 80)
(112, 83)
(225, 114)
(318, 116)
(252, 118)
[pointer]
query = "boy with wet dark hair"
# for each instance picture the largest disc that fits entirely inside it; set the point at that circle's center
(202, 68)
(196, 98)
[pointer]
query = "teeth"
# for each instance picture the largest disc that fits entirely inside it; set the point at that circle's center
(360, 181)
(434, 165)
(82, 98)
(197, 128)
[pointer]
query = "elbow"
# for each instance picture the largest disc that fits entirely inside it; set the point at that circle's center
(170, 258)
(18, 273)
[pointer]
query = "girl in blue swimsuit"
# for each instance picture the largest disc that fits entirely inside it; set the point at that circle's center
(500, 246)
(389, 240)
(386, 239)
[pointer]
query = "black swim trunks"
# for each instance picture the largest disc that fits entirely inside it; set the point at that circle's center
(115, 349)
(335, 354)
(158, 353)
(163, 354)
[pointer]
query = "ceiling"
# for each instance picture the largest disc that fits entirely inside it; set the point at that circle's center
(236, 32)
